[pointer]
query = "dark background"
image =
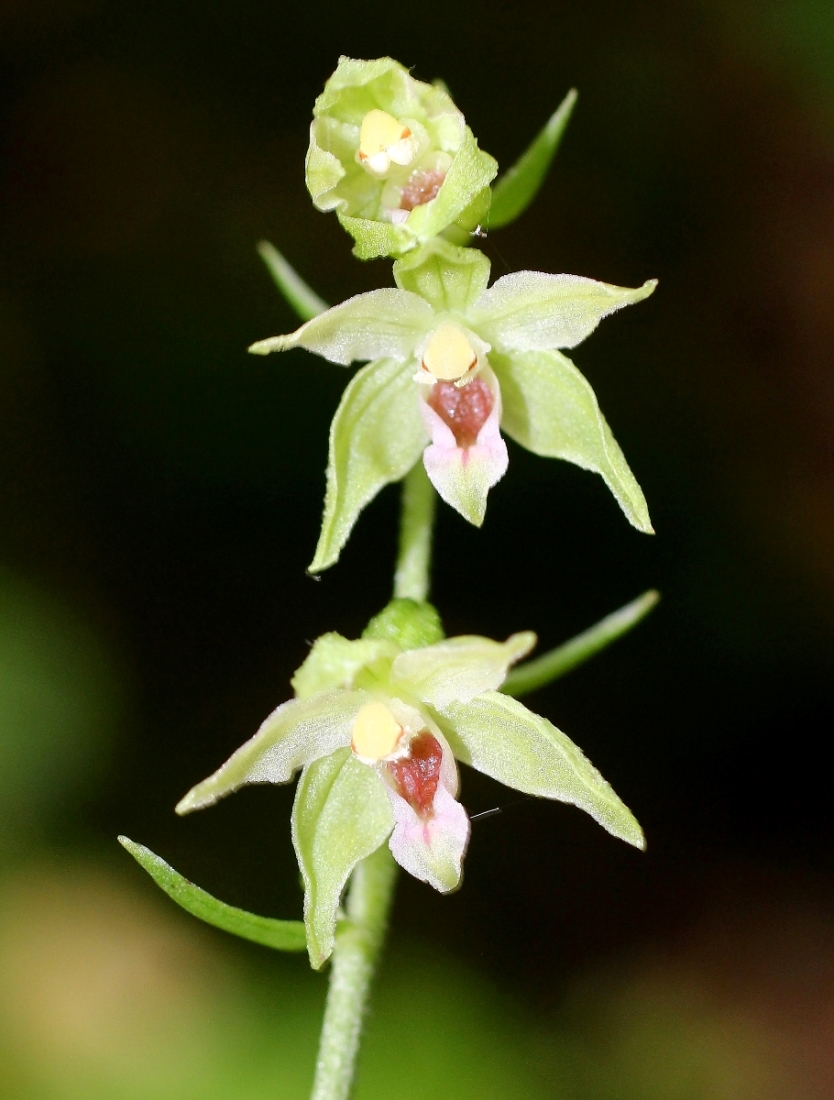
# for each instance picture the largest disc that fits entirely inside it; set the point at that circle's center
(163, 489)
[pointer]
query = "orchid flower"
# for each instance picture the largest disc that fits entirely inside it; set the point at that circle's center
(394, 158)
(376, 725)
(452, 361)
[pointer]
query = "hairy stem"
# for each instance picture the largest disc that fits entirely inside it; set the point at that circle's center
(411, 577)
(359, 940)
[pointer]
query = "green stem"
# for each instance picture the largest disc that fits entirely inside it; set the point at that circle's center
(359, 940)
(411, 578)
(535, 674)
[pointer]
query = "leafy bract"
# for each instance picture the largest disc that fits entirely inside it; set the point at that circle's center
(459, 668)
(298, 732)
(282, 935)
(534, 311)
(380, 323)
(502, 738)
(550, 409)
(375, 438)
(341, 814)
(550, 666)
(517, 188)
(302, 298)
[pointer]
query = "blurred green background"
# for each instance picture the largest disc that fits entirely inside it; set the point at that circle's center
(161, 491)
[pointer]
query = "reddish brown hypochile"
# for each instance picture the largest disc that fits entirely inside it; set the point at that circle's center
(464, 408)
(421, 188)
(417, 776)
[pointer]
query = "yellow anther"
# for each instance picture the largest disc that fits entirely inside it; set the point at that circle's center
(383, 139)
(448, 354)
(376, 732)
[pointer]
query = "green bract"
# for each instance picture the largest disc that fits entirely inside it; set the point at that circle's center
(451, 361)
(394, 158)
(376, 728)
(517, 188)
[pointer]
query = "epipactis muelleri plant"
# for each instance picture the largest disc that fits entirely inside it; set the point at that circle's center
(377, 724)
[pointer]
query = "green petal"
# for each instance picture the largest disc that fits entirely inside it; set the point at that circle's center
(375, 438)
(517, 188)
(448, 277)
(460, 668)
(334, 661)
(550, 409)
(281, 935)
(502, 738)
(341, 814)
(534, 311)
(381, 323)
(296, 733)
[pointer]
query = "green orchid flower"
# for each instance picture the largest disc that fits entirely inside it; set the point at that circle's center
(452, 362)
(376, 726)
(394, 158)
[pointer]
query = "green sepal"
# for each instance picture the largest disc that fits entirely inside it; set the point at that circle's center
(550, 409)
(375, 438)
(517, 188)
(447, 277)
(375, 325)
(537, 311)
(334, 661)
(281, 935)
(502, 738)
(550, 666)
(341, 815)
(410, 624)
(296, 733)
(301, 298)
